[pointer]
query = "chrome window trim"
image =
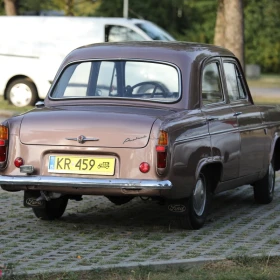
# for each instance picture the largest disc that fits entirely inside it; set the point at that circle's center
(58, 75)
(217, 60)
(236, 64)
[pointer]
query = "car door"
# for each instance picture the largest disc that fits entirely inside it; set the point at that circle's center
(222, 122)
(252, 133)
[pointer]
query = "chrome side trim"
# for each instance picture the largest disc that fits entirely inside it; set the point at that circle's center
(55, 181)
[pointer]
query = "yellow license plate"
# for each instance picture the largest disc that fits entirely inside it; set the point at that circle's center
(82, 165)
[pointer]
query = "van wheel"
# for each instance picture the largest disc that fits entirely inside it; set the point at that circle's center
(264, 188)
(22, 92)
(53, 209)
(197, 206)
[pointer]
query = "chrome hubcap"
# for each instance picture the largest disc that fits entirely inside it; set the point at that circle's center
(199, 197)
(271, 176)
(20, 95)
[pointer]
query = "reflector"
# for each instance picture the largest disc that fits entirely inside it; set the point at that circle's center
(18, 162)
(144, 167)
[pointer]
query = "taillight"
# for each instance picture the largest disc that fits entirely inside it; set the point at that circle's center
(161, 150)
(4, 136)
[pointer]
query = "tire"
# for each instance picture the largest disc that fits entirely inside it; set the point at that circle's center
(119, 200)
(54, 209)
(21, 93)
(197, 206)
(264, 188)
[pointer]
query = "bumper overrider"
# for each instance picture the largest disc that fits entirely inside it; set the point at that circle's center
(85, 185)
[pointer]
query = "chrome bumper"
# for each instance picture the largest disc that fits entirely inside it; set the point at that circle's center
(55, 181)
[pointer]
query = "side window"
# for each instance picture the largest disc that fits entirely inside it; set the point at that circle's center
(234, 83)
(116, 33)
(211, 84)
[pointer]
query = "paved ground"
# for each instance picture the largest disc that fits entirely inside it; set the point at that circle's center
(95, 233)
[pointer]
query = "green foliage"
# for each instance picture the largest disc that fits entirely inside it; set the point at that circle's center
(201, 17)
(34, 6)
(262, 34)
(2, 10)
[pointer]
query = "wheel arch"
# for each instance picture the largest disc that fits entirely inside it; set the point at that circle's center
(276, 153)
(214, 169)
(14, 78)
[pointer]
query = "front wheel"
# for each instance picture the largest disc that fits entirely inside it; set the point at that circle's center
(264, 188)
(197, 206)
(53, 209)
(22, 92)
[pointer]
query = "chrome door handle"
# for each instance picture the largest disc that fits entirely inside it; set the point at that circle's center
(237, 114)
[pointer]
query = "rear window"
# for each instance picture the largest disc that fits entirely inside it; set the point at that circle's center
(119, 79)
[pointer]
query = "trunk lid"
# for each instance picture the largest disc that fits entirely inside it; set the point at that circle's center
(113, 126)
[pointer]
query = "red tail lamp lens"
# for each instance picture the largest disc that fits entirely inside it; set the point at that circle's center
(4, 135)
(161, 160)
(3, 151)
(144, 167)
(18, 162)
(161, 149)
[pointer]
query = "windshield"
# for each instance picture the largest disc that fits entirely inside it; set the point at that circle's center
(119, 79)
(155, 32)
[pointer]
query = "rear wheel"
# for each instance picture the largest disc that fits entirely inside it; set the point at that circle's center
(119, 200)
(22, 92)
(53, 209)
(264, 188)
(197, 206)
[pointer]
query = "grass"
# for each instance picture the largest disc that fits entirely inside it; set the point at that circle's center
(266, 100)
(240, 267)
(5, 105)
(265, 81)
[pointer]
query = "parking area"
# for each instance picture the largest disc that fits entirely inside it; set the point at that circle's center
(94, 233)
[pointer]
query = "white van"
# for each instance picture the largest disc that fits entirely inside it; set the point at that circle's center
(32, 48)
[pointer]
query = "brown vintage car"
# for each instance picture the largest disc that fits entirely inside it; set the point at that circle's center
(171, 121)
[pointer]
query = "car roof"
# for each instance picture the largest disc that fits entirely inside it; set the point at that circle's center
(172, 52)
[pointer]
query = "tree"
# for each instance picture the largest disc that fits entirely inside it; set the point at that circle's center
(219, 38)
(69, 7)
(234, 27)
(10, 7)
(229, 30)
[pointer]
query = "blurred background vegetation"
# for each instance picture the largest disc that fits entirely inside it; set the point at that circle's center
(186, 20)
